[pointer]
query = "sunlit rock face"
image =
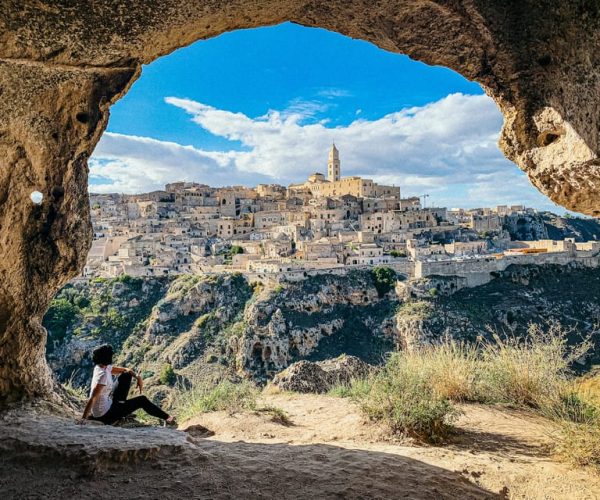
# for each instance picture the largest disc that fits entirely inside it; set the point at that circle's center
(62, 66)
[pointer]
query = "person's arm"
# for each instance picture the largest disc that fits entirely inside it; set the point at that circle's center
(88, 407)
(117, 370)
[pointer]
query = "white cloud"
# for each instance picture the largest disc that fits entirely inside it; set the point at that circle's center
(334, 93)
(446, 148)
(130, 164)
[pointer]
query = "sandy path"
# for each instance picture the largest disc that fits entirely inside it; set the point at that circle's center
(502, 451)
(327, 452)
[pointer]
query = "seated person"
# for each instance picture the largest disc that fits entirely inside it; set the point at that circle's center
(108, 402)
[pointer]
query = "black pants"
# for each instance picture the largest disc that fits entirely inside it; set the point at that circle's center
(121, 406)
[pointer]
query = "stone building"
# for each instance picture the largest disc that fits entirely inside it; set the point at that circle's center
(336, 185)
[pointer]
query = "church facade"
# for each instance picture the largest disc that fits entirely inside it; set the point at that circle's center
(335, 185)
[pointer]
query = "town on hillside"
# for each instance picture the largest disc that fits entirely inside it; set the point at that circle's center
(326, 224)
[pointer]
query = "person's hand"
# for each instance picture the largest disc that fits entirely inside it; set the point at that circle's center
(140, 384)
(81, 421)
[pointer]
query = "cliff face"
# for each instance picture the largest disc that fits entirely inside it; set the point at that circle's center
(319, 318)
(195, 328)
(582, 229)
(546, 225)
(201, 326)
(518, 296)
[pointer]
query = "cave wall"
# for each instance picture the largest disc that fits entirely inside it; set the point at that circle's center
(63, 63)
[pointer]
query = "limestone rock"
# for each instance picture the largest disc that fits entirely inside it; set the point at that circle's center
(296, 320)
(91, 448)
(319, 377)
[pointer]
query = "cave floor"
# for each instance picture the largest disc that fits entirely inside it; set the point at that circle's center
(326, 450)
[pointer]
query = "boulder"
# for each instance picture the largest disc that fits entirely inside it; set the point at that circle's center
(320, 376)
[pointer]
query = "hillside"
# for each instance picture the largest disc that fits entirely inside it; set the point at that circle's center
(204, 327)
(582, 229)
(520, 295)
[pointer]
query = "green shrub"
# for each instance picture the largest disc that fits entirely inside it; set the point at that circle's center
(384, 278)
(124, 278)
(573, 407)
(61, 316)
(397, 253)
(167, 375)
(235, 249)
(114, 320)
(225, 396)
(406, 400)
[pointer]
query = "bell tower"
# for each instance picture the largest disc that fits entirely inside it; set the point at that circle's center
(333, 164)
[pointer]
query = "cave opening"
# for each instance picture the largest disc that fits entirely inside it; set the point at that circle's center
(56, 109)
(185, 110)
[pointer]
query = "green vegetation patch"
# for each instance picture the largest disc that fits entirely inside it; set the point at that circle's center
(167, 375)
(61, 316)
(232, 397)
(384, 279)
(420, 309)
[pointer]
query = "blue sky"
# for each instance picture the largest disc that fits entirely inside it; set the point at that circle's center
(263, 105)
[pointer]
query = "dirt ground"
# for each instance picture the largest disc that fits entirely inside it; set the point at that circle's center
(325, 451)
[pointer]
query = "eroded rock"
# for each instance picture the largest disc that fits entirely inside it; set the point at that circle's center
(318, 377)
(88, 449)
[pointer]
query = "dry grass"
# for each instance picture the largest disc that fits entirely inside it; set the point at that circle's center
(278, 415)
(403, 396)
(415, 391)
(579, 444)
(533, 371)
(232, 397)
(590, 385)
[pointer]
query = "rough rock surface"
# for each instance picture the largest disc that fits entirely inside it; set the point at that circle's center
(568, 296)
(316, 319)
(206, 327)
(318, 377)
(63, 64)
(87, 449)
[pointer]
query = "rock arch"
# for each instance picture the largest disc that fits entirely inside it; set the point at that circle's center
(63, 64)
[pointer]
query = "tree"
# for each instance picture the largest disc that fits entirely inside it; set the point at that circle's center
(384, 278)
(167, 375)
(60, 317)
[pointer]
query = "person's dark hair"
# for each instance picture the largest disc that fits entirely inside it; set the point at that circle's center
(102, 355)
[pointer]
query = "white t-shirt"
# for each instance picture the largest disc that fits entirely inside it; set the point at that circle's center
(102, 376)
